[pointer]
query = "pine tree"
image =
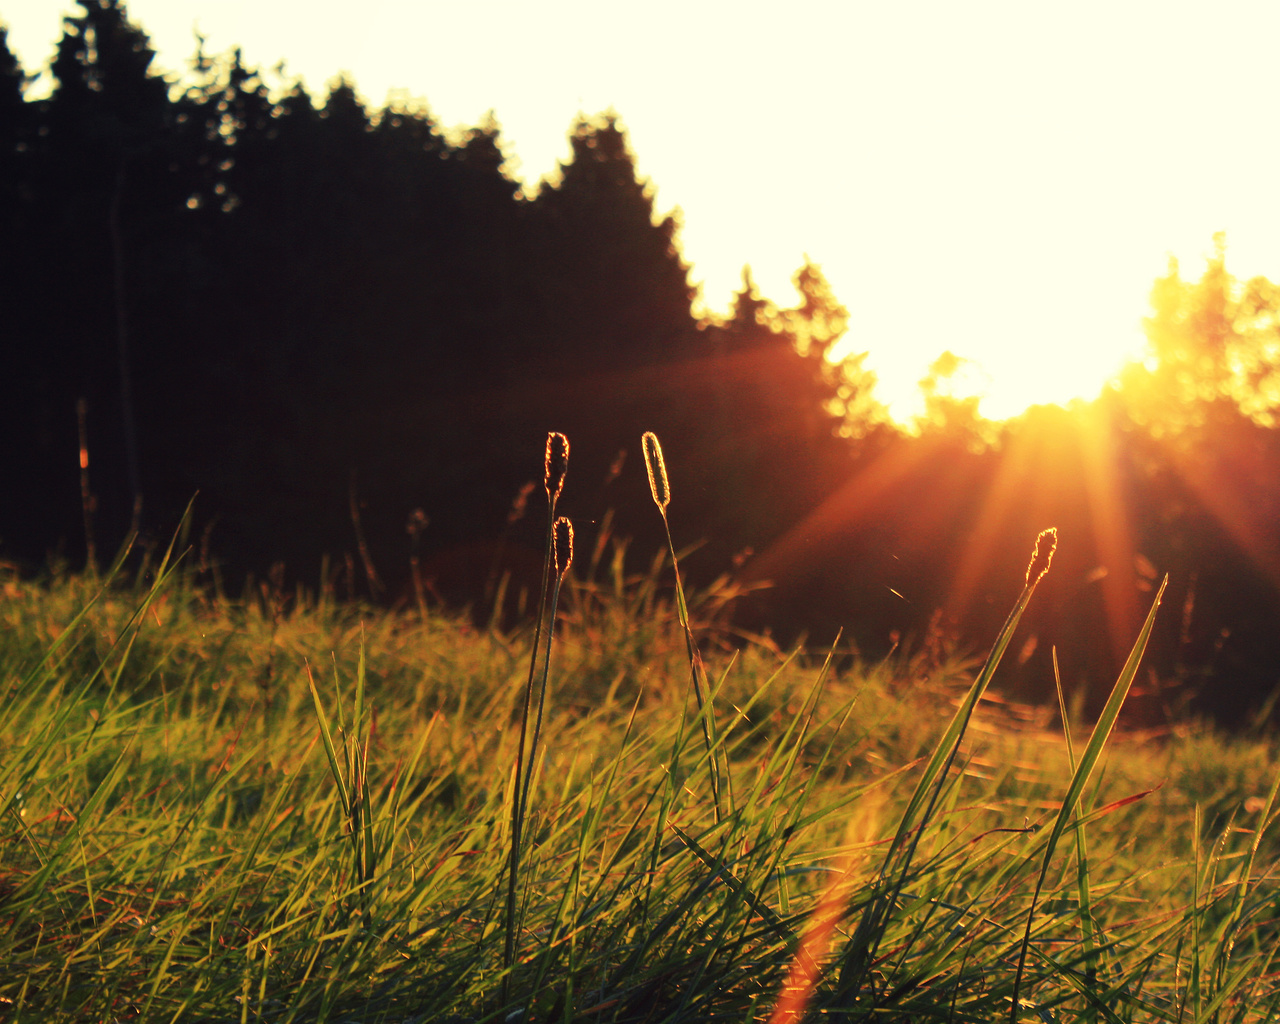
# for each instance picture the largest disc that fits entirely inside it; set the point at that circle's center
(16, 130)
(614, 285)
(107, 191)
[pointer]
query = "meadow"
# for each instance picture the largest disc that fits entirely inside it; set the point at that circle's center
(285, 807)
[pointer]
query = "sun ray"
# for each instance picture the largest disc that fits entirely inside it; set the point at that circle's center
(1010, 487)
(1222, 486)
(1112, 531)
(858, 498)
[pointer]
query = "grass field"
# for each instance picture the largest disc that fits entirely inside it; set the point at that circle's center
(283, 808)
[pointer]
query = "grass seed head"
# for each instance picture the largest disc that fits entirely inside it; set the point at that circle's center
(1040, 560)
(520, 504)
(416, 523)
(562, 543)
(657, 469)
(557, 464)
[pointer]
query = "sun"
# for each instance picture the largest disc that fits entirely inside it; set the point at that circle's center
(1007, 379)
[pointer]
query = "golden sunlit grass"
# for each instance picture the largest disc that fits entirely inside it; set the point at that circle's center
(178, 846)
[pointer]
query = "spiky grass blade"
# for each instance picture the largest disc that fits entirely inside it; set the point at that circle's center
(1080, 778)
(897, 863)
(739, 888)
(330, 750)
(1088, 936)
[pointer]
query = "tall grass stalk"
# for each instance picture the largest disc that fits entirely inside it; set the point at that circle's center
(1079, 779)
(555, 468)
(896, 868)
(1088, 935)
(660, 488)
(562, 559)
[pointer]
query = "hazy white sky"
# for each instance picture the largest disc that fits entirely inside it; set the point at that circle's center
(1004, 180)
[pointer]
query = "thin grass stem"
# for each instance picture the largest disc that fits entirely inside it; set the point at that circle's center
(555, 468)
(1080, 777)
(660, 488)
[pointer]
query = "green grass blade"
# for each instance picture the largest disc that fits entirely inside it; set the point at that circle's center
(915, 818)
(1080, 778)
(326, 737)
(1088, 937)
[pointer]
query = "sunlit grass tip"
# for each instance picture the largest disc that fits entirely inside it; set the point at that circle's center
(1041, 560)
(562, 546)
(556, 465)
(656, 467)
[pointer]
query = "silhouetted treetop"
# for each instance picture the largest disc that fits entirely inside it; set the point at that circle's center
(106, 91)
(816, 326)
(481, 148)
(950, 412)
(820, 320)
(17, 127)
(18, 220)
(13, 84)
(619, 282)
(108, 145)
(1215, 350)
(749, 310)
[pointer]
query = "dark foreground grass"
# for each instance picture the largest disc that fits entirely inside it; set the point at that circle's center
(187, 833)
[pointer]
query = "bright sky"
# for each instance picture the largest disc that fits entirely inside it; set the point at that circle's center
(1004, 180)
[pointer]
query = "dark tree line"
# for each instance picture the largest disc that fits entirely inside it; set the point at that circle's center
(329, 321)
(282, 303)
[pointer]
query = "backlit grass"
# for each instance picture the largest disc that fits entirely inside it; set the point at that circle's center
(189, 833)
